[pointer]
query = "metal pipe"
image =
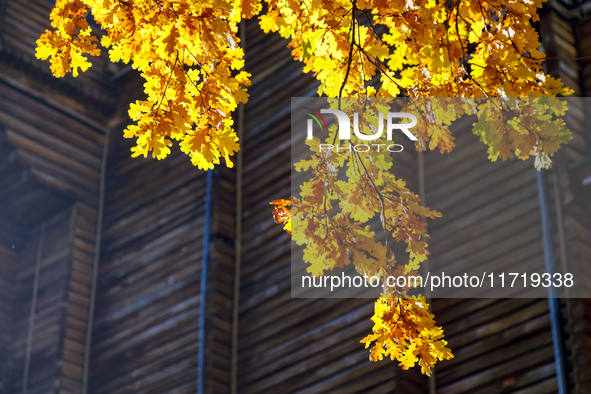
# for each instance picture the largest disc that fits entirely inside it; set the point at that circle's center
(237, 239)
(553, 301)
(203, 290)
(95, 263)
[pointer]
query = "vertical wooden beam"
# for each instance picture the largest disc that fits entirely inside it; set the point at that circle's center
(35, 296)
(74, 325)
(222, 278)
(217, 284)
(95, 264)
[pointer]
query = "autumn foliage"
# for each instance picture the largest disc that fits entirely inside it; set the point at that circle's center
(190, 56)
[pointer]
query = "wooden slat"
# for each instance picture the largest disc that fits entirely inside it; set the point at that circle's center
(145, 334)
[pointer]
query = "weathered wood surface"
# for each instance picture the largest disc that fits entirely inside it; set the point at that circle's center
(92, 92)
(490, 219)
(82, 242)
(51, 158)
(146, 322)
(572, 203)
(49, 315)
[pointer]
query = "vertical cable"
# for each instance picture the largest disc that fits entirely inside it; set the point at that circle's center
(95, 264)
(554, 303)
(563, 263)
(559, 225)
(237, 238)
(203, 290)
(33, 309)
(421, 165)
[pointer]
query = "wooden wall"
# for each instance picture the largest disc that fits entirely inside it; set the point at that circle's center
(577, 234)
(579, 219)
(51, 146)
(21, 23)
(147, 309)
(50, 158)
(58, 252)
(220, 290)
(566, 34)
(83, 225)
(506, 345)
(46, 259)
(490, 216)
(571, 211)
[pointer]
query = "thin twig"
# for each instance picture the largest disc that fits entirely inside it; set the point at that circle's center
(167, 83)
(352, 43)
